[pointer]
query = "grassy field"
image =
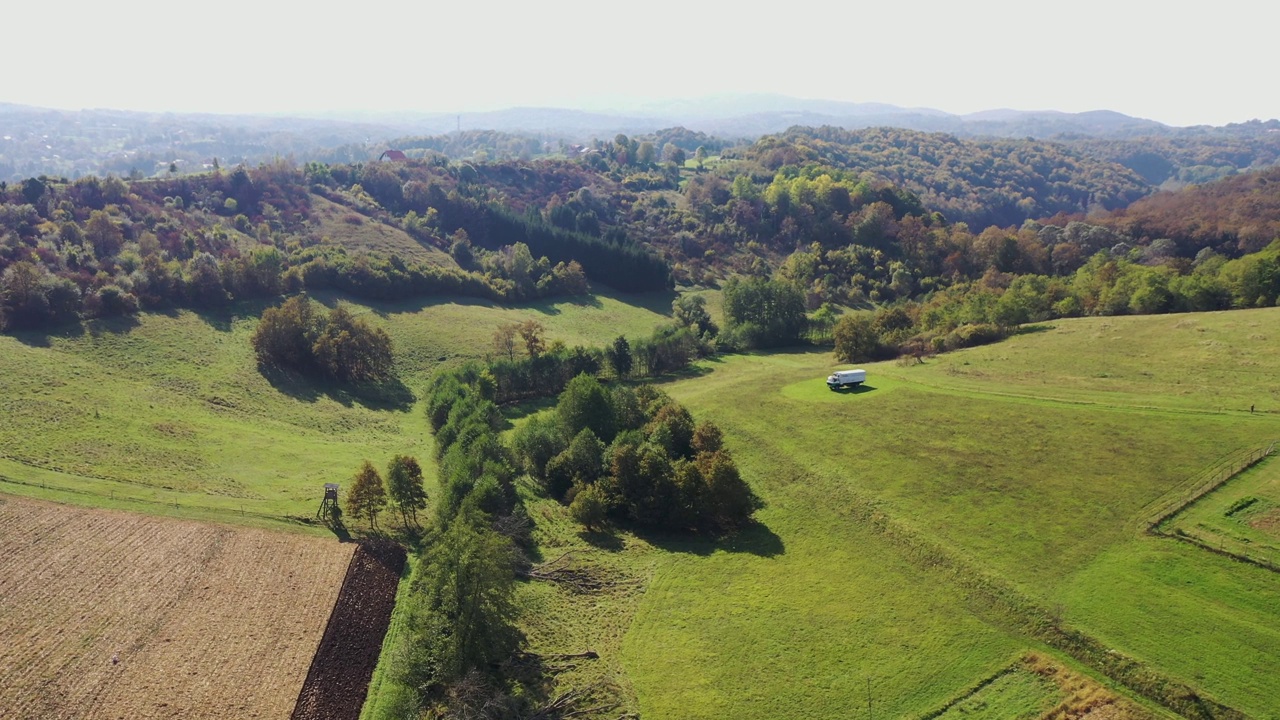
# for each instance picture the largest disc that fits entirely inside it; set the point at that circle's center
(1241, 517)
(1220, 361)
(1019, 695)
(892, 512)
(169, 412)
(1010, 469)
(359, 233)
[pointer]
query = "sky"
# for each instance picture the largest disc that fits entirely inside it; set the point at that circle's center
(1179, 63)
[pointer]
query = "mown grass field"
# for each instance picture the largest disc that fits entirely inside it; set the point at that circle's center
(170, 413)
(1242, 516)
(1029, 465)
(1002, 460)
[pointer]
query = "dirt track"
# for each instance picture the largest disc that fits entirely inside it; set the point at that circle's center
(112, 615)
(343, 665)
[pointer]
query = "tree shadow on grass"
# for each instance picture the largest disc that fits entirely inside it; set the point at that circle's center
(219, 319)
(609, 542)
(756, 539)
(1032, 329)
(390, 394)
(340, 531)
(696, 370)
(120, 325)
(656, 301)
(524, 408)
(43, 337)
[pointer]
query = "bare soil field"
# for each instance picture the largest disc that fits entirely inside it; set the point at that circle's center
(107, 614)
(339, 677)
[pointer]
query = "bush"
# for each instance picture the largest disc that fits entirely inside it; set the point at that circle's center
(857, 339)
(589, 507)
(336, 345)
(973, 335)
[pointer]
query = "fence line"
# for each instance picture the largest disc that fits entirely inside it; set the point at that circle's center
(1212, 479)
(1207, 481)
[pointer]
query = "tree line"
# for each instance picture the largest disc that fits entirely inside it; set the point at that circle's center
(99, 248)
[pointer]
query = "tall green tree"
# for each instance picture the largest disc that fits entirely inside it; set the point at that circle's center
(619, 356)
(404, 485)
(730, 502)
(466, 609)
(367, 497)
(691, 311)
(585, 404)
(765, 313)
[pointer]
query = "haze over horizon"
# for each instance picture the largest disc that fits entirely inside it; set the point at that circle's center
(1177, 66)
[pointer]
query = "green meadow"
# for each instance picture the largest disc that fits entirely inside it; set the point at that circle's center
(1019, 695)
(170, 413)
(1242, 516)
(913, 530)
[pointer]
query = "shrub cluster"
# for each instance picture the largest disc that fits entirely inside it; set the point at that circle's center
(336, 344)
(636, 455)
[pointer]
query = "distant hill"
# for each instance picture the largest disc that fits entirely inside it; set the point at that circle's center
(59, 143)
(980, 181)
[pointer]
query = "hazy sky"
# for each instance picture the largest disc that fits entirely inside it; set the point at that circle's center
(1175, 62)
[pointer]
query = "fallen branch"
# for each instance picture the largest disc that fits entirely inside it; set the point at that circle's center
(580, 579)
(585, 655)
(553, 562)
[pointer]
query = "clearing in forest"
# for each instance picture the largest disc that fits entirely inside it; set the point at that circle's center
(110, 615)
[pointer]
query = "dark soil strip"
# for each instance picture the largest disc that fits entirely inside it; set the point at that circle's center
(343, 664)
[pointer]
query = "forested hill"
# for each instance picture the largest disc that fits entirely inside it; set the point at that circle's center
(1174, 158)
(98, 247)
(982, 182)
(1240, 214)
(867, 218)
(40, 141)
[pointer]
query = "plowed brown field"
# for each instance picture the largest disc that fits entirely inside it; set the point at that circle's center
(107, 614)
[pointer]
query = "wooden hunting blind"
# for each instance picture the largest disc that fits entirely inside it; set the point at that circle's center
(330, 500)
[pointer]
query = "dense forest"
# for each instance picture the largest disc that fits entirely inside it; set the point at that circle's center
(981, 182)
(849, 219)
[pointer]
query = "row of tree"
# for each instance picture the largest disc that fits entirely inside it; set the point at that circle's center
(461, 611)
(402, 489)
